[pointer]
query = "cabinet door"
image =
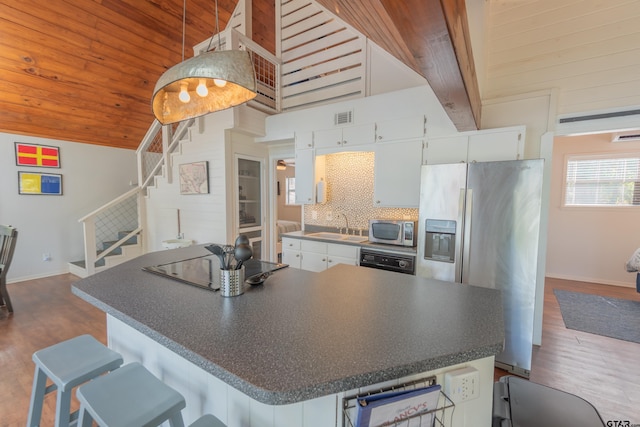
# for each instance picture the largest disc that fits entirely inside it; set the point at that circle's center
(342, 254)
(400, 129)
(291, 257)
(397, 168)
(327, 138)
(358, 135)
(313, 261)
(304, 140)
(305, 177)
(446, 150)
(496, 146)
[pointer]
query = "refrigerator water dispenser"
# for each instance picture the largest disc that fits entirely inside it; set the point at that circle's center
(440, 240)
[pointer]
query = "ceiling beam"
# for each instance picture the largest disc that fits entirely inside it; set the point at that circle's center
(429, 36)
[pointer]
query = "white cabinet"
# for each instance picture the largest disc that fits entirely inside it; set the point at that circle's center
(495, 146)
(480, 146)
(305, 176)
(401, 129)
(317, 256)
(303, 140)
(341, 139)
(291, 252)
(397, 168)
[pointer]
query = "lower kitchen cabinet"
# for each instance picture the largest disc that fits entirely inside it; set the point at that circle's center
(317, 256)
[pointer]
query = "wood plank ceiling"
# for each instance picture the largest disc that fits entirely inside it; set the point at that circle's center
(84, 70)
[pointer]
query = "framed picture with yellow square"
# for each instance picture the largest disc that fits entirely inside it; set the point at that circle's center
(39, 183)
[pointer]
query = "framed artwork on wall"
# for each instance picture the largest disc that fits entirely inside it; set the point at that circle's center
(39, 183)
(194, 178)
(41, 156)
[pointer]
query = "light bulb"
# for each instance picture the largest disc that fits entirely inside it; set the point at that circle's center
(202, 90)
(184, 95)
(220, 82)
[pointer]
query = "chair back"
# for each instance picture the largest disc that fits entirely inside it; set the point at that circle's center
(8, 237)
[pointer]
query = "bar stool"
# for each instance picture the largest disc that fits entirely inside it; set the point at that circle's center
(133, 396)
(67, 364)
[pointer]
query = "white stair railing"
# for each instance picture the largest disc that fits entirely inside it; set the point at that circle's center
(122, 214)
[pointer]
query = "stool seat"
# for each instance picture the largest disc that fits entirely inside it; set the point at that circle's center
(67, 364)
(129, 396)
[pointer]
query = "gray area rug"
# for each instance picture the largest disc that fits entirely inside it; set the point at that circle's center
(611, 317)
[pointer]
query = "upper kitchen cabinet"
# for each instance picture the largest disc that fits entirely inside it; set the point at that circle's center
(304, 140)
(401, 129)
(397, 167)
(305, 177)
(478, 146)
(342, 139)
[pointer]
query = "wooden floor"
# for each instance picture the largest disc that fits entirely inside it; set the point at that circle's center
(602, 370)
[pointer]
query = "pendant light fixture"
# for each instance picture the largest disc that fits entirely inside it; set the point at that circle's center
(212, 81)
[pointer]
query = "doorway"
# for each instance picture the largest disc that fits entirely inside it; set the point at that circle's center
(288, 215)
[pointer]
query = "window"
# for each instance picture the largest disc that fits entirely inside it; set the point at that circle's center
(602, 181)
(290, 195)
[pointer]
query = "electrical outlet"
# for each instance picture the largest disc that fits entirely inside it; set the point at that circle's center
(329, 216)
(462, 384)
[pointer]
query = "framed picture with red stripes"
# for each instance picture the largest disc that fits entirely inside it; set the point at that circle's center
(41, 156)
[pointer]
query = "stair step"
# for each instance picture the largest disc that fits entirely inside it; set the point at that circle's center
(83, 264)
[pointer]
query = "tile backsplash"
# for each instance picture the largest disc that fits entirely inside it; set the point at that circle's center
(349, 188)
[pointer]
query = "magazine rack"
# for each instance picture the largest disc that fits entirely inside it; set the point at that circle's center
(349, 409)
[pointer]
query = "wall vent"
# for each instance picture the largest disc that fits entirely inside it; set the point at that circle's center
(599, 116)
(343, 118)
(622, 137)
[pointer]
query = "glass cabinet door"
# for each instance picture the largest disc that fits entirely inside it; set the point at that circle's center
(250, 203)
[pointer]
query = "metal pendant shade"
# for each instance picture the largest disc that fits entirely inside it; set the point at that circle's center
(211, 69)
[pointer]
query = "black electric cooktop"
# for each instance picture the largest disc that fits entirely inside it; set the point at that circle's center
(204, 271)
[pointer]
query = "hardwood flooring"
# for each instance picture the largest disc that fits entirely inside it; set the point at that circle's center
(602, 370)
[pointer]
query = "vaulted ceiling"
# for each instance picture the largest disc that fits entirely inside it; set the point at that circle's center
(84, 70)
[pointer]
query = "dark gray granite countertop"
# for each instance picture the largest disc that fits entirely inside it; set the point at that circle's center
(303, 335)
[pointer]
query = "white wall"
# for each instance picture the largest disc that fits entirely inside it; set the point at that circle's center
(590, 244)
(203, 218)
(92, 175)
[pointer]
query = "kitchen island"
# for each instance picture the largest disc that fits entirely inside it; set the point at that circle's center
(285, 353)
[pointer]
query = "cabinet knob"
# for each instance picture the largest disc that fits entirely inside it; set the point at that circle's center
(324, 259)
(297, 255)
(339, 142)
(378, 201)
(379, 136)
(309, 145)
(344, 142)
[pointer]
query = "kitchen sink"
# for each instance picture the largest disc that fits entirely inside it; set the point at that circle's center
(338, 236)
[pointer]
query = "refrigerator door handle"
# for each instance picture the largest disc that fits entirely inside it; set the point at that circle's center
(458, 250)
(466, 256)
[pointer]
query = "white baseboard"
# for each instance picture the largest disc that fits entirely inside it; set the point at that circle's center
(37, 276)
(593, 280)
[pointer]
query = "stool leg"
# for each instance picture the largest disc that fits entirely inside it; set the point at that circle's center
(63, 408)
(85, 419)
(176, 420)
(37, 398)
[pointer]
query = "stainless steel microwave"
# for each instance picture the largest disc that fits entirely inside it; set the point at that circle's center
(393, 232)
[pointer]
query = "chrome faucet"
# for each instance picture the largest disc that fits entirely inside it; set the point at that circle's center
(346, 222)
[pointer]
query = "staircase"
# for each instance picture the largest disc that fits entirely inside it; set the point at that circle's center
(128, 249)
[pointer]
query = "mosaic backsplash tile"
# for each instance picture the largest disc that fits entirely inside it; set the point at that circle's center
(349, 186)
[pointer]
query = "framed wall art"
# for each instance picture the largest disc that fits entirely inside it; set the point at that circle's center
(39, 183)
(42, 156)
(194, 178)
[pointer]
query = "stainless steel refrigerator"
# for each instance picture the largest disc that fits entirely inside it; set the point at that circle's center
(479, 225)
